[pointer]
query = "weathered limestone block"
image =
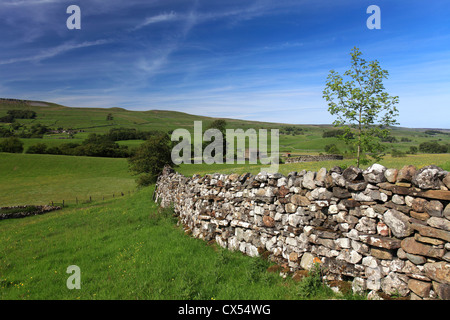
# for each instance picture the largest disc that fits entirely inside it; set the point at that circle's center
(406, 173)
(431, 232)
(413, 271)
(356, 186)
(446, 212)
(320, 177)
(439, 271)
(418, 204)
(394, 284)
(338, 179)
(416, 259)
(442, 290)
(398, 199)
(361, 197)
(440, 223)
(429, 177)
(300, 200)
(434, 208)
(307, 261)
(366, 225)
(341, 193)
(446, 180)
(391, 175)
(308, 180)
(359, 285)
(290, 208)
(268, 221)
(321, 194)
(352, 173)
(342, 267)
(294, 219)
(373, 275)
(381, 253)
(350, 256)
(374, 174)
(410, 245)
(398, 223)
(420, 288)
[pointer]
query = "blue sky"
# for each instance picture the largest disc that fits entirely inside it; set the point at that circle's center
(258, 60)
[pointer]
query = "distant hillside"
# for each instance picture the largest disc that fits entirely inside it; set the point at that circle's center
(294, 138)
(95, 119)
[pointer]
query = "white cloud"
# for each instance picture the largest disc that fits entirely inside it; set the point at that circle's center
(28, 2)
(52, 52)
(164, 17)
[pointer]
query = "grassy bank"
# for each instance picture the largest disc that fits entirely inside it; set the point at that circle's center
(128, 249)
(40, 179)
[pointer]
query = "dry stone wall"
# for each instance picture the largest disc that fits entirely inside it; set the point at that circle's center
(383, 229)
(311, 158)
(25, 211)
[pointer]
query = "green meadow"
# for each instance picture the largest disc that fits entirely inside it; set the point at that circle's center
(129, 249)
(40, 179)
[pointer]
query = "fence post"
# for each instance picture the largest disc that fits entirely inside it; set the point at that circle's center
(63, 203)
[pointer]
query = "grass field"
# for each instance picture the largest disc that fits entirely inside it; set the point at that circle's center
(128, 249)
(40, 179)
(94, 120)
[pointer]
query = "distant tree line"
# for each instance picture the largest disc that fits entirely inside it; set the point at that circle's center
(37, 130)
(97, 145)
(434, 132)
(18, 114)
(292, 130)
(337, 133)
(118, 134)
(94, 146)
(434, 147)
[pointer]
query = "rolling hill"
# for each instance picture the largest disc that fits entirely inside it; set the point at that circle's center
(304, 139)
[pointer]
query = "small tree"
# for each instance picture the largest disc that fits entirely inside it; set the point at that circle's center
(361, 104)
(38, 148)
(221, 126)
(150, 157)
(12, 145)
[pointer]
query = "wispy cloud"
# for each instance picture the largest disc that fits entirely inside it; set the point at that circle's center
(151, 66)
(55, 51)
(163, 17)
(27, 2)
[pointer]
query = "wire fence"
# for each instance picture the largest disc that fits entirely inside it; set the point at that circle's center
(89, 199)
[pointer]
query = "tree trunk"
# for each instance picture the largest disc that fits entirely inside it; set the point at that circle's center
(359, 139)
